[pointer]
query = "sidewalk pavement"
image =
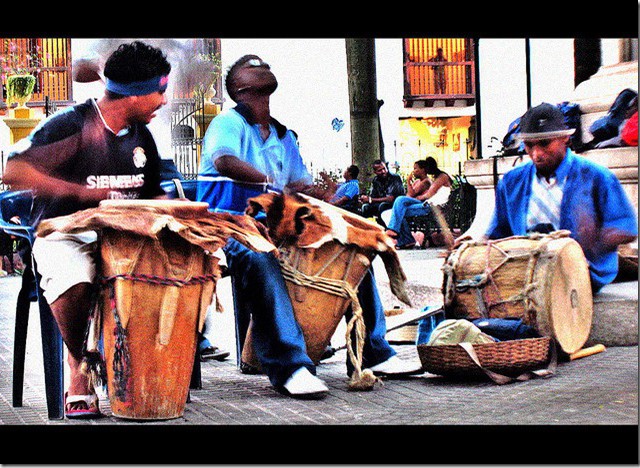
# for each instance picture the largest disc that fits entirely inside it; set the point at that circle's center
(237, 418)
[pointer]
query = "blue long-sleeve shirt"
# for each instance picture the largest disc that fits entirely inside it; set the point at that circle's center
(592, 194)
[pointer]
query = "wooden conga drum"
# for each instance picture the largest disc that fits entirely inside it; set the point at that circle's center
(541, 279)
(320, 306)
(155, 294)
(325, 253)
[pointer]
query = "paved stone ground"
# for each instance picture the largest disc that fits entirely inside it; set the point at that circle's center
(590, 398)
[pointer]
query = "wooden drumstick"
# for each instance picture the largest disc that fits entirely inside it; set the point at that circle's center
(448, 236)
(584, 352)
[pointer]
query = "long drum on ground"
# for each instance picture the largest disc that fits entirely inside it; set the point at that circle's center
(541, 279)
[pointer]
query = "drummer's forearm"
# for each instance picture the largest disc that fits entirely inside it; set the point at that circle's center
(234, 168)
(21, 175)
(610, 239)
(388, 199)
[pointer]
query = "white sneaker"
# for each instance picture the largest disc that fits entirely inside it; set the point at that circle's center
(396, 367)
(303, 384)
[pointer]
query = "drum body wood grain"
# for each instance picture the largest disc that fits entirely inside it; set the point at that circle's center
(151, 309)
(317, 311)
(543, 280)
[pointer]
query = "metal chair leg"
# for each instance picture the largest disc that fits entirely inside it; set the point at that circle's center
(242, 320)
(196, 374)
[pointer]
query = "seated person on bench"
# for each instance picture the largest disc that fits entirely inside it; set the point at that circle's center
(429, 185)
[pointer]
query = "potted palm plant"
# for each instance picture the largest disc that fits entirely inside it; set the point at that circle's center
(16, 70)
(20, 89)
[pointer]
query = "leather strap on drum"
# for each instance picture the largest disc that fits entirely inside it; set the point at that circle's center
(504, 379)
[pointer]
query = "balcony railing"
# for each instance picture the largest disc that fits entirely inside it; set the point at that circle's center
(429, 77)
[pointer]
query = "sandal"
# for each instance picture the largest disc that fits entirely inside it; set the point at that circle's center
(91, 410)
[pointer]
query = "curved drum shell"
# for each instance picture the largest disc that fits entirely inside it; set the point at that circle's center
(318, 312)
(153, 342)
(543, 280)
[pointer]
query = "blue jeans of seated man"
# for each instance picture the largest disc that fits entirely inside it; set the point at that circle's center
(404, 207)
(260, 293)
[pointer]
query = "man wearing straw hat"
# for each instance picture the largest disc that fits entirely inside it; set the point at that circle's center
(558, 190)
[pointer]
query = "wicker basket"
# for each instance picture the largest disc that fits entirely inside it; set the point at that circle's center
(510, 358)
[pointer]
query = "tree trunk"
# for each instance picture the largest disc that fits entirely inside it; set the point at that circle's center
(363, 104)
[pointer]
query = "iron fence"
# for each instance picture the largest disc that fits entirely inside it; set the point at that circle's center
(50, 107)
(187, 131)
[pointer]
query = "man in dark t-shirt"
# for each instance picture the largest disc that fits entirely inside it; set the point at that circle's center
(385, 188)
(93, 151)
(75, 146)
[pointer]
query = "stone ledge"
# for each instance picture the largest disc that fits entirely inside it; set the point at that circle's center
(615, 315)
(598, 92)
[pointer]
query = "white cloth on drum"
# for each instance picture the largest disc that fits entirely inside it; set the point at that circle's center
(64, 260)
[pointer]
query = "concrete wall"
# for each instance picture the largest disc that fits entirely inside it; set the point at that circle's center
(503, 82)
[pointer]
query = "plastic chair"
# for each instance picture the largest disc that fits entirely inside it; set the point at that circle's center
(180, 188)
(19, 203)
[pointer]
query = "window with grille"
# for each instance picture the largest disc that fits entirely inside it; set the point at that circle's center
(48, 59)
(439, 68)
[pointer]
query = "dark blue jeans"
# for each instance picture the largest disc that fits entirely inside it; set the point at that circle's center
(260, 293)
(404, 207)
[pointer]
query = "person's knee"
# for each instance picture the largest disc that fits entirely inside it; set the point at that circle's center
(77, 296)
(384, 206)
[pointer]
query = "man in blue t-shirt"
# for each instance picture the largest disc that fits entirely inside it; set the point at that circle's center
(74, 159)
(245, 152)
(344, 195)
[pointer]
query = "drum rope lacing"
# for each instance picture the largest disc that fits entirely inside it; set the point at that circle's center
(121, 351)
(161, 280)
(481, 281)
(360, 379)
